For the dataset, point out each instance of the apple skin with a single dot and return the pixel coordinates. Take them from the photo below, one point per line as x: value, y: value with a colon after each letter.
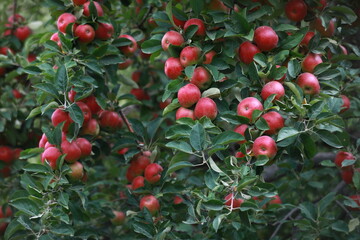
x: 241, y: 129
x: 6, y: 154
x: 85, y: 111
x: 140, y: 94
x: 232, y: 202
x: 205, y: 107
x: 309, y: 83
x: 247, y: 106
x: 72, y: 151
x: 177, y: 200
x: 90, y: 101
x: 137, y: 182
x: 79, y: 2
x: 189, y: 56
x: 86, y: 8
x: 42, y: 142
x: 22, y: 33
x: 163, y: 105
x: 275, y: 122
x: 296, y: 10
x: 51, y: 155
x: 247, y: 51
x: 104, y: 31
x: 125, y: 64
x: 151, y: 203
x: 188, y: 95
x: 201, y: 78
x: 328, y: 32
x: 306, y: 40
x: 178, y: 22
x: 198, y: 22
x: 119, y: 218
x: 64, y: 20
x: 55, y: 38
x: 17, y: 94
x: 173, y: 68
x: 92, y: 128
x: 109, y: 119
x: 276, y: 200
x: 130, y: 49
x: 60, y: 116
x: 85, y: 146
x: 341, y: 156
x: 131, y: 173
x: 135, y: 76
x: 265, y: 38
x: 173, y: 38
x: 273, y: 87
x: 184, y: 112
x: 264, y: 145
x: 348, y: 174
x: 346, y: 103
x: 8, y: 213
x: 85, y: 33
x: 153, y: 173
x: 209, y: 57
x: 310, y: 62
x: 77, y: 171
x: 17, y: 18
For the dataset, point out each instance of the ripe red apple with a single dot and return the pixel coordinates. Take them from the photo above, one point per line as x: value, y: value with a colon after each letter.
x: 325, y: 32
x: 119, y: 218
x: 296, y: 10
x: 173, y: 38
x: 122, y: 151
x: 163, y: 105
x: 177, y: 200
x: 322, y: 4
x: 247, y: 106
x: 31, y: 57
x: 17, y: 94
x: 98, y: 7
x: 64, y: 20
x: 310, y: 62
x: 85, y: 146
x: 309, y: 83
x: 281, y: 80
x: 131, y: 173
x: 125, y: 64
x: 264, y: 145
x: 173, y: 68
x: 22, y: 33
x: 188, y: 95
x: 6, y: 214
x: 341, y: 156
x: 92, y: 104
x: 85, y: 33
x: 140, y: 162
x: 109, y: 119
x: 55, y: 38
x: 153, y: 173
x: 43, y: 141
x: 356, y: 199
x: 346, y: 103
x: 72, y: 151
x: 60, y: 116
x: 17, y: 18
x: 47, y: 145
x: 91, y: 128
x: 79, y: 2
x: 85, y: 111
x: 241, y: 129
x: 151, y: 203
x: 104, y: 31
x: 198, y: 22
x: 273, y: 87
x: 51, y: 155
x: 275, y: 122
x: 77, y: 171
x: 306, y: 40
x: 135, y: 76
x: 201, y: 78
x: 190, y: 56
x: 276, y: 200
x: 205, y: 107
x: 137, y: 182
x: 6, y: 154
x: 265, y: 38
x: 178, y: 22
x: 233, y: 202
x: 209, y: 57
x: 184, y: 112
x: 140, y: 94
x: 247, y: 51
x: 130, y: 49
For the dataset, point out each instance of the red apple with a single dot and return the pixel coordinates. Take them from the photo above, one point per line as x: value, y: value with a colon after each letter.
x: 346, y: 103
x: 241, y: 129
x: 77, y: 171
x: 265, y: 38
x: 131, y: 173
x: 140, y: 94
x: 276, y: 200
x: 85, y: 33
x: 130, y: 49
x: 306, y: 40
x: 92, y: 104
x: 64, y: 20
x: 137, y: 182
x: 178, y: 22
x: 205, y: 107
x: 273, y: 87
x: 247, y: 51
x: 151, y: 203
x: 109, y: 119
x: 79, y: 2
x: 310, y: 62
x: 51, y: 155
x: 122, y: 151
x: 104, y: 31
x: 17, y: 18
x: 201, y: 78
x: 98, y: 7
x: 31, y: 57
x: 184, y: 112
x: 325, y: 32
x: 72, y: 151
x: 42, y: 141
x: 198, y: 22
x: 119, y: 218
x: 60, y: 116
x: 135, y: 76
x: 17, y: 94
x: 91, y: 128
x: 6, y: 154
x: 85, y: 111
x: 309, y: 83
x: 173, y: 68
x: 322, y: 4
x: 209, y: 57
x: 233, y: 202
x: 85, y: 146
x: 264, y: 145
x: 140, y: 162
x: 188, y: 95
x: 296, y: 10
x: 153, y: 173
x: 22, y: 33
x: 341, y: 156
x: 247, y: 106
x: 163, y: 105
x: 356, y: 199
x: 125, y: 64
x: 173, y: 38
x: 190, y: 56
x: 55, y: 38
x: 217, y: 5
x: 177, y: 200
x: 275, y: 122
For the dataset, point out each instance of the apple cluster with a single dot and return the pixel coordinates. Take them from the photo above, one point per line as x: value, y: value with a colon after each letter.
x: 7, y: 156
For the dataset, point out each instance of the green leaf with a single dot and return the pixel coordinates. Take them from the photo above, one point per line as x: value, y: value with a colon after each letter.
x: 76, y: 114
x: 178, y: 165
x: 348, y: 162
x: 62, y: 229
x: 326, y: 202
x: 293, y: 68
x: 48, y: 88
x: 144, y: 229
x: 189, y: 71
x: 245, y: 182
x: 197, y: 137
x: 214, y: 166
x: 180, y: 145
x: 261, y: 124
x: 309, y: 210
x: 353, y: 224
x: 356, y: 179
x: 30, y: 152
x: 228, y: 137
x: 213, y: 204
x: 36, y: 111
x: 151, y: 46
x: 295, y: 90
x: 25, y: 205
x: 217, y: 221
x: 287, y: 132
x: 310, y: 148
x: 211, y: 93
x: 190, y: 31
x: 340, y: 226
x: 37, y: 168
x: 197, y: 6
x: 330, y: 138
x: 111, y: 59
x: 210, y: 179
x: 261, y: 160
x: 13, y: 228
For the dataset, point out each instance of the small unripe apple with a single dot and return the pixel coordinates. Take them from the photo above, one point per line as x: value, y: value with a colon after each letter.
x: 64, y: 20
x: 119, y: 218
x: 137, y: 182
x: 98, y: 7
x: 309, y: 83
x: 190, y: 56
x: 188, y: 95
x: 273, y: 87
x: 153, y: 173
x: 205, y: 107
x: 310, y: 62
x: 346, y: 103
x: 264, y: 145
x: 72, y: 151
x: 247, y: 106
x: 265, y: 38
x: 173, y: 68
x: 184, y: 112
x: 173, y: 38
x: 201, y: 78
x: 198, y: 22
x: 247, y: 51
x: 233, y: 202
x: 51, y: 155
x: 77, y: 171
x: 104, y: 31
x: 296, y: 10
x: 130, y: 49
x: 275, y: 122
x: 151, y: 203
x: 241, y: 129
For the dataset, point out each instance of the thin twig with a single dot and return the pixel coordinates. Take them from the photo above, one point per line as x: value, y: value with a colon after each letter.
x: 126, y: 121
x: 145, y: 17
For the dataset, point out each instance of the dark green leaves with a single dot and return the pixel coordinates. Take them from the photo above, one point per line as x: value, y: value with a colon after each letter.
x: 287, y: 136
x: 151, y: 46
x: 197, y: 137
x: 228, y: 137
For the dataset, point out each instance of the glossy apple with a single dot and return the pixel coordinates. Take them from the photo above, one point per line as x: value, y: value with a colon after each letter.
x: 233, y: 202
x: 189, y: 56
x: 140, y: 94
x: 306, y: 40
x: 265, y: 38
x: 205, y: 107
x: 125, y: 64
x: 264, y: 145
x: 77, y: 171
x: 173, y: 38
x: 188, y: 95
x: 86, y: 8
x: 55, y: 38
x: 173, y: 68
x: 177, y: 200
x: 296, y: 10
x: 85, y: 146
x: 72, y: 151
x: 151, y: 203
x: 91, y: 128
x: 273, y: 87
x: 346, y: 103
x: 85, y: 111
x: 247, y: 106
x: 310, y: 62
x: 137, y: 182
x: 201, y: 78
x: 276, y: 200
x: 109, y: 119
x: 209, y: 57
x: 92, y: 104
x: 275, y: 122
x: 64, y: 20
x: 79, y: 2
x: 325, y: 32
x: 104, y: 31
x: 153, y: 173
x: 17, y: 18
x: 60, y: 116
x: 309, y: 83
x: 119, y: 218
x: 6, y: 154
x: 198, y: 22
x: 341, y: 156
x: 184, y: 112
x: 51, y: 155
x: 130, y: 49
x: 85, y: 33
x: 247, y: 51
x: 241, y: 129
x: 22, y: 33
